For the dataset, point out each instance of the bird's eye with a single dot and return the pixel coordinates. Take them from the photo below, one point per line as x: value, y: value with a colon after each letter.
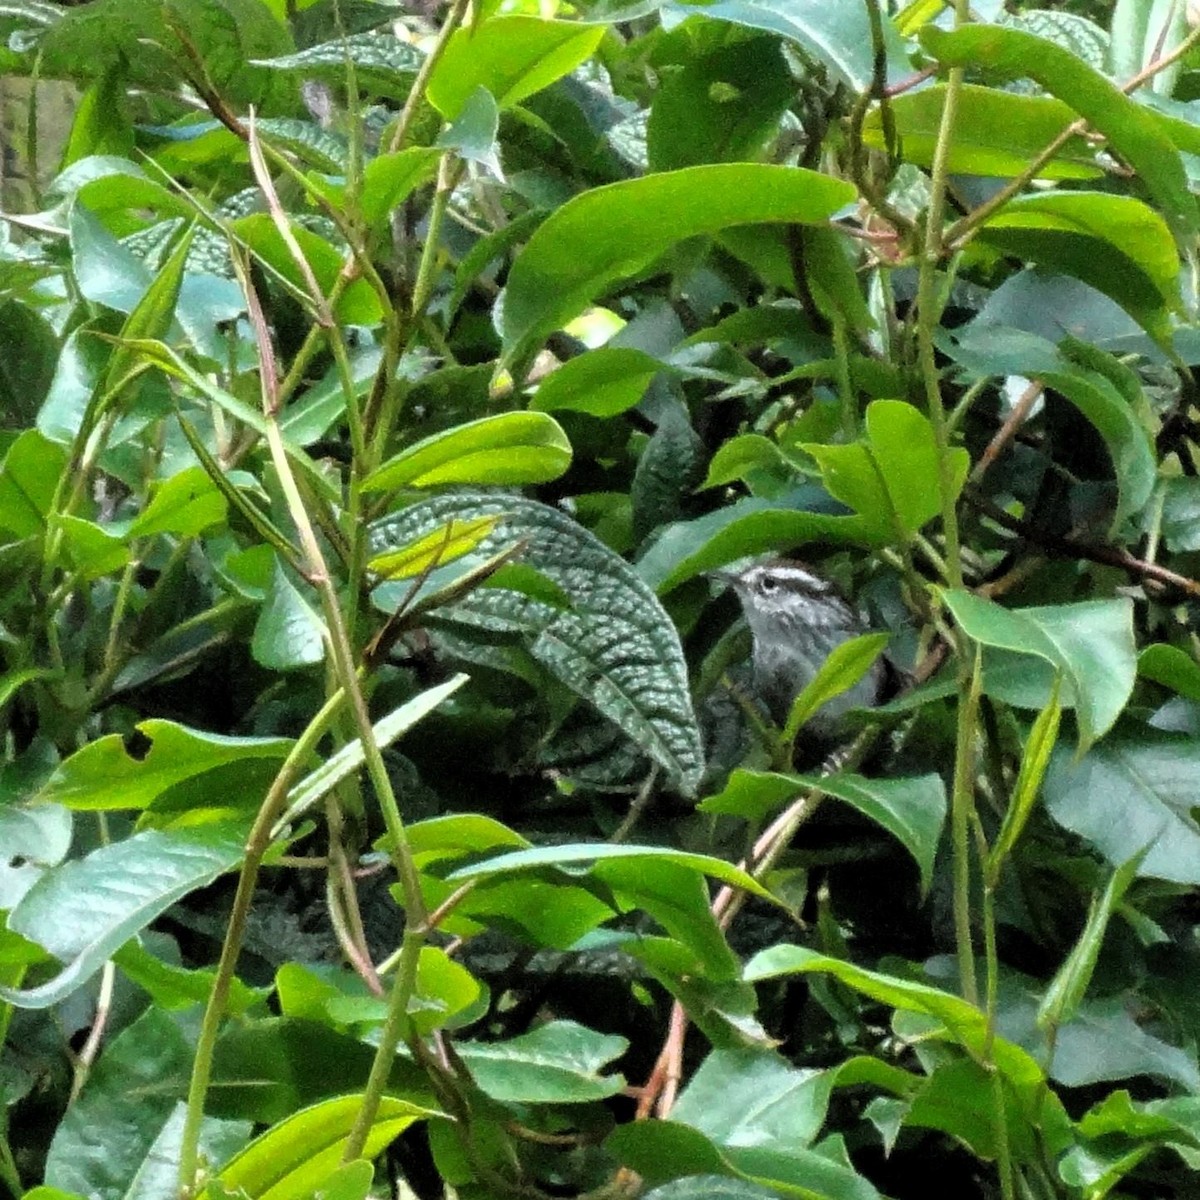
x: 768, y: 585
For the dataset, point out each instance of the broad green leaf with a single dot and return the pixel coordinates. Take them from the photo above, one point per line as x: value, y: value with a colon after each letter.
x: 510, y: 448
x: 1171, y: 667
x: 512, y: 56
x: 1116, y: 244
x: 1066, y: 990
x: 664, y: 1150
x: 891, y: 479
x: 602, y: 383
x: 1130, y: 129
x: 841, y: 670
x: 744, y: 457
x: 29, y: 364
x: 838, y: 36
x: 1127, y: 793
x: 752, y: 795
x: 556, y: 1063
x: 613, y: 232
x: 111, y: 773
x: 995, y: 132
x: 174, y: 988
x: 92, y: 549
x: 289, y: 632
x: 300, y: 1155
x: 267, y: 1068
x: 28, y: 481
x: 824, y: 1170
x: 435, y: 549
x: 351, y: 756
x: 541, y: 857
x: 85, y: 910
x: 1181, y: 512
x: 962, y: 1021
x: 614, y: 645
x: 383, y: 64
x: 358, y: 303
x: 748, y: 528
x: 120, y: 1138
x: 223, y: 34
x: 388, y: 180
x: 912, y: 810
x: 33, y: 838
x: 186, y: 504
x: 990, y: 351
x: 754, y: 1097
x: 722, y: 106
x: 1090, y: 644
x: 472, y: 134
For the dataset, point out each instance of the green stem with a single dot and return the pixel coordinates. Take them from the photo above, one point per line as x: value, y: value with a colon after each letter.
x: 849, y: 406
x: 929, y: 312
x: 257, y: 844
x: 962, y: 807
x: 8, y: 1170
x: 417, y: 94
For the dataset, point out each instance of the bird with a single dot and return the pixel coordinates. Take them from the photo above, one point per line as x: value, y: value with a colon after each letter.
x: 796, y: 619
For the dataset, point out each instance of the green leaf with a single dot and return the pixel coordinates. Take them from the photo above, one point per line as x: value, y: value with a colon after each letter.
x: 111, y: 774
x: 512, y: 56
x: 186, y: 504
x: 990, y: 351
x: 602, y: 383
x: 28, y: 481
x: 93, y: 551
x: 141, y: 34
x: 752, y: 795
x: 1171, y: 667
x: 664, y: 1150
x: 743, y: 457
x: 388, y: 180
x: 1126, y: 793
x: 174, y: 988
x: 836, y: 35
x: 358, y: 303
x: 995, y: 133
x: 845, y: 665
x: 154, y: 313
x: 85, y: 910
x: 510, y: 448
x: 613, y: 232
x: 1066, y: 991
x: 723, y: 106
x: 1116, y: 244
x: 912, y: 810
x: 566, y: 856
x: 101, y: 124
x: 472, y: 134
x: 120, y: 1138
x: 556, y: 1063
x: 444, y: 545
x: 351, y: 756
x: 892, y: 478
x: 709, y: 1187
x: 1091, y: 644
x: 301, y: 1154
x: 383, y: 65
x: 1130, y: 129
x: 963, y: 1022
x: 754, y: 1097
x: 1034, y: 761
x: 742, y: 530
x: 289, y: 633
x: 614, y: 645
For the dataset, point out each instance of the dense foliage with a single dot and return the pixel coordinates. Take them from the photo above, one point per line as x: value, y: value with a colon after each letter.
x: 384, y: 795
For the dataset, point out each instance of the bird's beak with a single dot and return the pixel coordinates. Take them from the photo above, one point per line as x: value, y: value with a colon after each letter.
x: 727, y: 579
